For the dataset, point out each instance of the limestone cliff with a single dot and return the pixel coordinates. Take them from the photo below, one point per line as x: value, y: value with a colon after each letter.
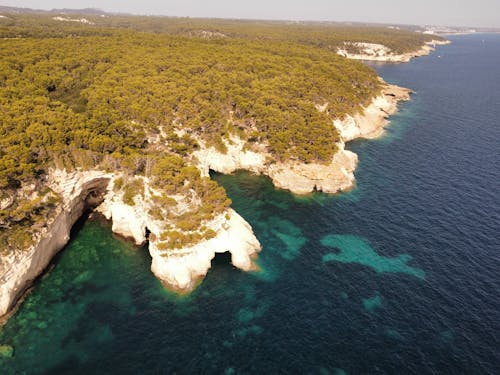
x: 371, y: 122
x: 302, y: 178
x: 182, y: 269
x: 19, y: 269
x: 297, y: 177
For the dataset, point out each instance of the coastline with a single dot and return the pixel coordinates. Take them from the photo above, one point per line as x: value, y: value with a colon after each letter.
x: 381, y: 53
x: 84, y: 190
x: 302, y: 178
x: 403, y: 266
x: 181, y: 270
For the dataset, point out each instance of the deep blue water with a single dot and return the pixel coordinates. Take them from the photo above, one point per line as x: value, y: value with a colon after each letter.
x: 399, y: 276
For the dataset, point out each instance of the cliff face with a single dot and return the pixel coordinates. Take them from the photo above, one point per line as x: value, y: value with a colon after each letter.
x: 370, y: 124
x: 379, y: 52
x: 180, y: 269
x: 19, y: 269
x: 301, y: 178
x: 235, y: 158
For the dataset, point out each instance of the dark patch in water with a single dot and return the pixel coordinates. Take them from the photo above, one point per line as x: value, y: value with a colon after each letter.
x: 222, y: 260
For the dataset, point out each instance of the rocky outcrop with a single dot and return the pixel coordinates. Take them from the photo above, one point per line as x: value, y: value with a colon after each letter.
x: 127, y: 221
x: 379, y: 52
x: 182, y: 269
x: 374, y: 118
x: 301, y: 178
x: 236, y: 158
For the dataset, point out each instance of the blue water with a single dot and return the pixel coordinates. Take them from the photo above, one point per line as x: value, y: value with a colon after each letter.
x: 399, y: 276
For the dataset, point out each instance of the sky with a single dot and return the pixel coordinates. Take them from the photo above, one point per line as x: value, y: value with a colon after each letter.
x: 480, y: 13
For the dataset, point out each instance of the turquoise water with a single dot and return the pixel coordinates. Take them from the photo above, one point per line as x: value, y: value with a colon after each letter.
x: 353, y: 249
x: 399, y: 276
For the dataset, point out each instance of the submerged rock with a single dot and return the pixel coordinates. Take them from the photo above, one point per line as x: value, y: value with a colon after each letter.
x: 6, y: 351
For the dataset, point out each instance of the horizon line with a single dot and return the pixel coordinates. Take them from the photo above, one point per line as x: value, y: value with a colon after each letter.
x: 132, y: 14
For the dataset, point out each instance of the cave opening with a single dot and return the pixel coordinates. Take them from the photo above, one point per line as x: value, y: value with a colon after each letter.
x: 149, y: 236
x: 222, y: 260
x: 212, y: 173
x: 93, y: 198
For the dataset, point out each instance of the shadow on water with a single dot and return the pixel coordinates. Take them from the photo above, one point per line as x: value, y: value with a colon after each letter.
x: 75, y: 230
x: 77, y: 227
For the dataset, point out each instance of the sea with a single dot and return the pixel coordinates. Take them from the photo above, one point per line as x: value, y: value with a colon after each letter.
x: 401, y: 275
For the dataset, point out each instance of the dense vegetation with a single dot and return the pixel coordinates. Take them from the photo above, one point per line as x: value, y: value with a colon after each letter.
x: 105, y: 96
x: 327, y: 35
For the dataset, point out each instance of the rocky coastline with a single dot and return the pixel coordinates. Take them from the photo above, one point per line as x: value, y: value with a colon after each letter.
x: 379, y: 52
x: 84, y: 190
x: 301, y: 178
x: 181, y: 269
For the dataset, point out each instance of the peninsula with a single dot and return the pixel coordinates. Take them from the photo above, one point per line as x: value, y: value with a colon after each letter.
x: 133, y: 120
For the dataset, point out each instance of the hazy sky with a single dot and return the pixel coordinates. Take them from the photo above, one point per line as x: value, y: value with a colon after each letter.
x: 442, y: 12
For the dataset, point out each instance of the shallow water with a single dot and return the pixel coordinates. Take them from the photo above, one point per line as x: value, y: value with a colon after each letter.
x: 401, y: 275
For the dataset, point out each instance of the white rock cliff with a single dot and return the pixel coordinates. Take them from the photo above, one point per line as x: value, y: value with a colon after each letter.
x: 19, y: 269
x: 182, y: 269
